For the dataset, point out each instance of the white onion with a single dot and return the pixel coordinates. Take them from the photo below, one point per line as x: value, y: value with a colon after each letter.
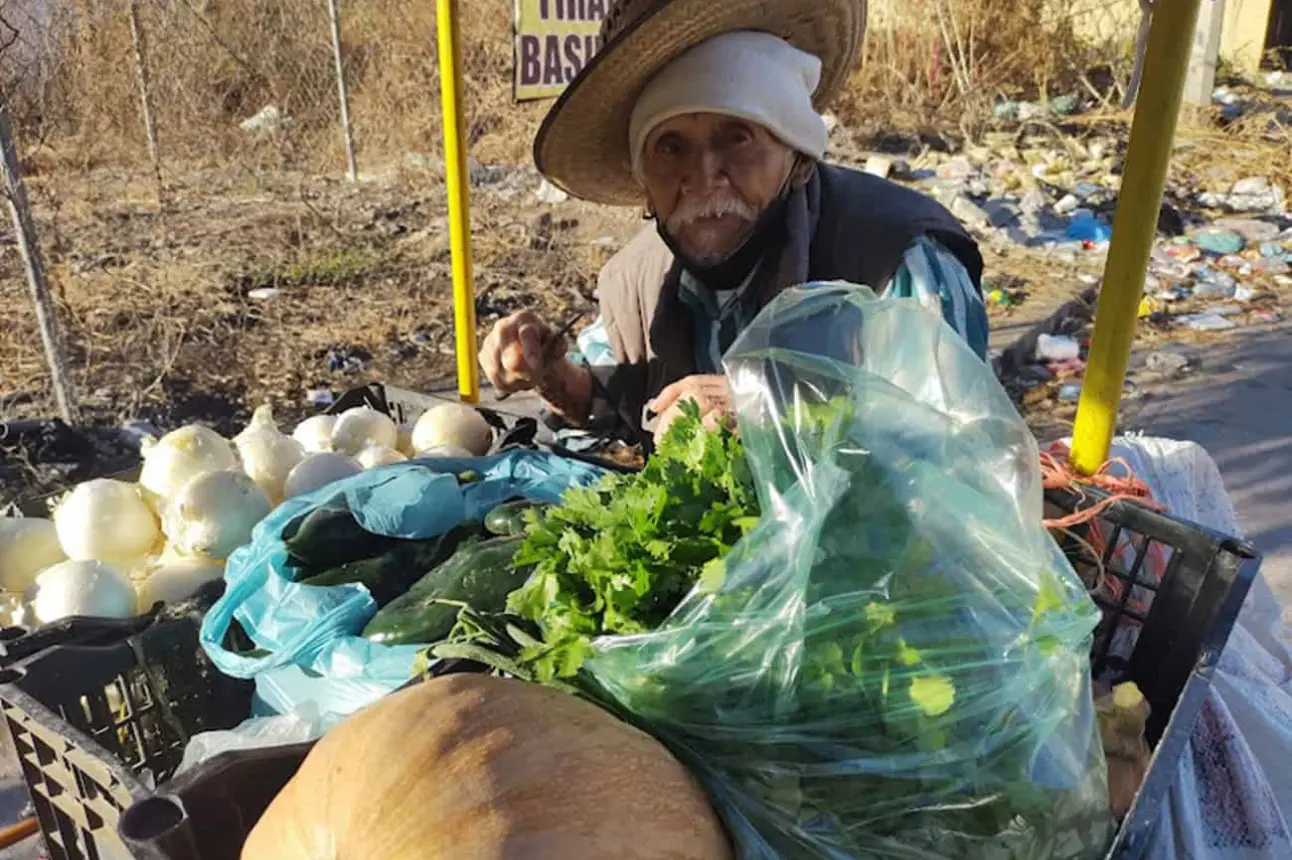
x: 180, y: 457
x: 214, y: 514
x: 175, y: 578
x: 268, y: 456
x: 13, y: 611
x: 377, y: 455
x: 106, y: 520
x: 361, y: 427
x: 446, y: 451
x: 315, y: 433
x: 319, y: 470
x: 27, y: 546
x: 82, y: 587
x: 453, y: 424
x: 404, y: 442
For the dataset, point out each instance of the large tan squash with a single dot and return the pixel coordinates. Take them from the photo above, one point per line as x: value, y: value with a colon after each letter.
x: 470, y: 767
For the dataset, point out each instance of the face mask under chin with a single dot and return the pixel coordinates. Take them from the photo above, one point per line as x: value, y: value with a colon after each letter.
x: 731, y: 271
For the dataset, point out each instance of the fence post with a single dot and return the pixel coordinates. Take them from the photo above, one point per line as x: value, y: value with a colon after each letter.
x: 352, y: 169
x: 25, y: 228
x: 145, y: 91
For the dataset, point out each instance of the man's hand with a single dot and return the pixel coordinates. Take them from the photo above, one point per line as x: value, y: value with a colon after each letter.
x: 520, y: 354
x: 711, y: 393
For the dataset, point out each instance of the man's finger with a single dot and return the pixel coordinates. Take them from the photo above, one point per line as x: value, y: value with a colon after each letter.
x: 514, y: 360
x: 531, y: 342
x: 666, y: 421
x: 666, y: 398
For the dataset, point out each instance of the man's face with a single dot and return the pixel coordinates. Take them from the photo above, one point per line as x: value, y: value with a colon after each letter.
x: 708, y: 178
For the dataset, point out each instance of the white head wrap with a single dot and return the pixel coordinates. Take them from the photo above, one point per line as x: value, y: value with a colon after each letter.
x: 749, y: 75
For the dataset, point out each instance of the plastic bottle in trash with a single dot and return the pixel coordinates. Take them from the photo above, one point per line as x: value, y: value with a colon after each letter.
x: 1086, y: 227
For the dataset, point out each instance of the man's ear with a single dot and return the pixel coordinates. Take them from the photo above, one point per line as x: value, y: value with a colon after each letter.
x: 802, y: 170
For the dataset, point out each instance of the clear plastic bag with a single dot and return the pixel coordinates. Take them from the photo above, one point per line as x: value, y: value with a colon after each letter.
x: 895, y: 663
x: 297, y: 726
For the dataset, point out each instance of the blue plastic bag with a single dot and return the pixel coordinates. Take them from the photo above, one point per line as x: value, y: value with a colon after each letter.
x: 315, y: 629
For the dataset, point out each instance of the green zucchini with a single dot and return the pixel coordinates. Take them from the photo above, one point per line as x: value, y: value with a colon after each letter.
x: 479, y: 574
x: 509, y: 518
x: 395, y: 571
x: 326, y: 538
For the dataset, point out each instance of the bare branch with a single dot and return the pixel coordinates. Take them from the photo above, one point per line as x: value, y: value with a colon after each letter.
x: 8, y: 35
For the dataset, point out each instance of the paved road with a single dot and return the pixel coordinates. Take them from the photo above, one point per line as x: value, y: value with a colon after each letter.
x: 1238, y: 406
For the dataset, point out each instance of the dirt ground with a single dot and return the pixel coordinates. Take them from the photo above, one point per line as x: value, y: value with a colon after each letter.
x: 238, y: 292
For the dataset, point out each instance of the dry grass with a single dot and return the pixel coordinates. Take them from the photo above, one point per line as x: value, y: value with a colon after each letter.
x: 72, y: 80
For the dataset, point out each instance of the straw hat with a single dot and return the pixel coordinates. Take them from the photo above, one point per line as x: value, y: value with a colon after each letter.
x: 582, y: 146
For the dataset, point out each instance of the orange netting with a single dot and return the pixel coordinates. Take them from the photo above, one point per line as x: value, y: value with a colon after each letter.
x: 1118, y: 482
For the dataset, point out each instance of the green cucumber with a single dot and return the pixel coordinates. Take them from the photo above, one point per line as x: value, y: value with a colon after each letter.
x: 509, y: 518
x: 328, y: 537
x: 395, y: 571
x: 479, y: 574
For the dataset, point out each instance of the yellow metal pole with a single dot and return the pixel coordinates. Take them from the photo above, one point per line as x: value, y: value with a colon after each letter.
x: 1166, y: 64
x: 455, y: 174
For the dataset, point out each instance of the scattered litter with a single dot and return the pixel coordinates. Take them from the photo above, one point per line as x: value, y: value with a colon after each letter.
x: 1070, y: 392
x: 1166, y: 363
x: 320, y: 397
x: 970, y: 213
x: 1219, y: 242
x: 1057, y: 348
x: 1244, y: 293
x: 957, y: 168
x: 347, y: 359
x: 1067, y: 204
x: 1223, y: 310
x: 1183, y: 251
x: 421, y: 338
x: 134, y: 432
x: 1173, y: 294
x: 549, y: 194
x: 1086, y: 227
x: 879, y: 165
x: 1066, y: 369
x: 1001, y: 298
x: 267, y: 121
x: 1273, y: 266
x: 1253, y: 230
x: 1206, y: 322
x: 1213, y: 284
x: 264, y: 293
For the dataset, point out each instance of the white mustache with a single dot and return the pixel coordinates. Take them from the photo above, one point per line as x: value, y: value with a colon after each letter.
x: 692, y: 209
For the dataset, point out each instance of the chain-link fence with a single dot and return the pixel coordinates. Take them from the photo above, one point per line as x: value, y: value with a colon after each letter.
x: 254, y: 84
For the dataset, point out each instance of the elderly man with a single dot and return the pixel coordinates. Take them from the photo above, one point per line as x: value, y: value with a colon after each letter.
x: 706, y: 113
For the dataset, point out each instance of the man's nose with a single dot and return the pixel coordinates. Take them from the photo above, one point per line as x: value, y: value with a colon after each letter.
x: 705, y: 175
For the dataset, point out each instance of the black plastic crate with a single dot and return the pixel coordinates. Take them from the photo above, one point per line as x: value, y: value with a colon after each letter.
x: 1181, y: 632
x: 510, y: 430
x: 1165, y: 634
x: 96, y: 727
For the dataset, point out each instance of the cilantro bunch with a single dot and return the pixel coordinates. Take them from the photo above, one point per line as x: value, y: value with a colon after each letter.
x: 618, y: 558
